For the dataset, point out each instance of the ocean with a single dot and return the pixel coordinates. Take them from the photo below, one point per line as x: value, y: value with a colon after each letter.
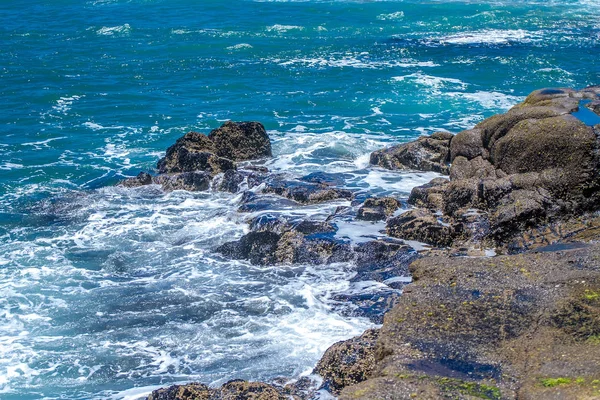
x: 109, y: 292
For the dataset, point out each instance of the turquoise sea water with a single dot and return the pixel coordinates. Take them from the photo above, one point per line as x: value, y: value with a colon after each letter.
x: 109, y: 292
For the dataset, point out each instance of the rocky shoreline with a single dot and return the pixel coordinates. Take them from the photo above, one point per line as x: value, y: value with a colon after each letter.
x: 524, y: 324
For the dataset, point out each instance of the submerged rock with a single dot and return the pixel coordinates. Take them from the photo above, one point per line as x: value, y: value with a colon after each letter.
x: 428, y: 153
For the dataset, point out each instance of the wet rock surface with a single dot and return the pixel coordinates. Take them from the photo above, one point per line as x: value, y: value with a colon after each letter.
x: 190, y: 181
x: 522, y: 326
x: 232, y: 390
x: 348, y: 362
x: 428, y: 153
x: 376, y: 209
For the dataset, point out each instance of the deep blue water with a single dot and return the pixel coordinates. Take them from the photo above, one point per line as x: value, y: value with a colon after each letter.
x: 108, y: 292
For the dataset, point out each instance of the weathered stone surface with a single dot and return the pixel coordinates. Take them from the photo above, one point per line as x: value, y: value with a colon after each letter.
x: 142, y: 179
x: 192, y: 391
x: 523, y: 326
x: 534, y: 165
x: 428, y: 153
x: 232, y: 390
x: 348, y: 362
x: 282, y: 242
x: 423, y: 226
x: 377, y: 208
x: 240, y: 141
x: 430, y: 195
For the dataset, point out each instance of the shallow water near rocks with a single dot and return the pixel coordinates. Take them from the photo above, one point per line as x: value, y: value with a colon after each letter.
x: 109, y: 292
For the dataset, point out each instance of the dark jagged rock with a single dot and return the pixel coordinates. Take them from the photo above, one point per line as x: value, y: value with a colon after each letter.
x: 366, y: 304
x: 534, y: 165
x: 376, y: 209
x: 190, y: 181
x: 304, y: 192
x: 348, y: 362
x: 383, y: 261
x: 232, y: 390
x: 276, y: 241
x: 522, y: 326
x: 192, y: 391
x: 428, y: 153
x: 218, y: 151
x: 181, y: 159
x: 241, y: 141
x: 423, y: 226
x: 142, y: 179
x: 430, y: 195
x: 231, y: 180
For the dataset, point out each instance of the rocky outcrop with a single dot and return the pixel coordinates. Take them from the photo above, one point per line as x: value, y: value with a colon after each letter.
x: 523, y: 326
x: 217, y: 152
x: 535, y: 165
x: 232, y: 390
x: 195, y: 157
x: 241, y: 141
x: 348, y: 362
x: 428, y: 153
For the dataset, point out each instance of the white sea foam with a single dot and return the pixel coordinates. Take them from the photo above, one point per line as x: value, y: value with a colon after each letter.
x: 114, y: 30
x: 489, y: 100
x: 392, y: 16
x: 284, y: 28
x: 491, y: 36
x: 240, y: 46
x: 353, y: 61
x: 436, y: 83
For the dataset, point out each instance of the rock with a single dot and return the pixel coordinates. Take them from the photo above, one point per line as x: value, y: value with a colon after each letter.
x: 430, y: 195
x: 523, y: 326
x: 243, y: 390
x: 423, y: 226
x: 376, y: 209
x: 273, y: 241
x: 240, y: 141
x: 257, y: 247
x: 218, y: 151
x: 534, y: 165
x: 181, y: 159
x: 232, y: 390
x: 428, y: 153
x: 142, y: 179
x: 192, y: 391
x: 190, y: 181
x: 383, y: 261
x: 348, y: 362
x: 231, y: 180
x: 304, y: 192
